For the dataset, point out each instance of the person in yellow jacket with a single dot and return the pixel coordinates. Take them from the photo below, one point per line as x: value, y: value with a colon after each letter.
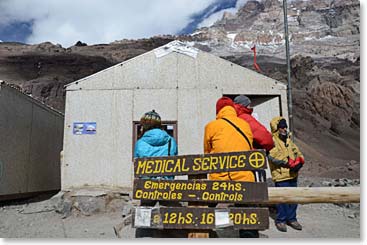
x: 285, y: 160
x: 221, y: 136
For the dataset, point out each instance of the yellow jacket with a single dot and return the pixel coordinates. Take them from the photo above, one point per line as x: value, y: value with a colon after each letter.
x: 282, y: 151
x: 220, y: 136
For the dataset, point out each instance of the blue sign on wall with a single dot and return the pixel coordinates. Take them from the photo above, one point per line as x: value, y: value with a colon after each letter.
x: 85, y: 128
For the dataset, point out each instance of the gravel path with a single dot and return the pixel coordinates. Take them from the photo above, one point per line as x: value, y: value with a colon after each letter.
x: 318, y: 220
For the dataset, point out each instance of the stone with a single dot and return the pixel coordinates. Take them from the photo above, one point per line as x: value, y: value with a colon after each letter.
x: 57, y: 199
x: 326, y: 183
x: 115, y: 201
x: 126, y: 210
x: 341, y: 184
x: 64, y: 208
x: 90, y: 205
x: 118, y: 229
x: 91, y: 193
x: 349, y: 181
x: 356, y: 182
x: 37, y: 207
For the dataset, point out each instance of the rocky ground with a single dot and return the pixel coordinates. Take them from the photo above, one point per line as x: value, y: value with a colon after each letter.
x: 47, y: 216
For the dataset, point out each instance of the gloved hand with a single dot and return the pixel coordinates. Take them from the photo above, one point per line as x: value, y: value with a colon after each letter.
x: 297, y: 164
x: 291, y: 162
x: 296, y: 168
x: 300, y: 160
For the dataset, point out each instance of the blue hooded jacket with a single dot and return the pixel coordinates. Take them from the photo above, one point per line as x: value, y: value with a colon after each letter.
x: 154, y: 143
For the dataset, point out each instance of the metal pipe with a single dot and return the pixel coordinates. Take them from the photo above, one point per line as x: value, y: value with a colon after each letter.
x: 289, y: 90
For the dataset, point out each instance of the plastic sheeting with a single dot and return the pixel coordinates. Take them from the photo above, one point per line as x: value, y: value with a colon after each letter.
x: 176, y: 46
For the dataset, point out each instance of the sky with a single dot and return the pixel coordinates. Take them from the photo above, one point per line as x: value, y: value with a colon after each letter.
x: 95, y: 21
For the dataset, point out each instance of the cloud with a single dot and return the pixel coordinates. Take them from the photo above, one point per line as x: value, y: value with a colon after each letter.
x: 96, y: 21
x: 218, y: 15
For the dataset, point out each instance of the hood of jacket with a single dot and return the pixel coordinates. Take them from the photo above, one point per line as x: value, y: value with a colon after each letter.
x: 240, y: 109
x: 274, y: 124
x: 227, y: 111
x: 156, y: 137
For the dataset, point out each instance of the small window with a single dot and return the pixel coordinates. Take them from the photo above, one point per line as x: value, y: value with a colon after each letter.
x: 169, y: 126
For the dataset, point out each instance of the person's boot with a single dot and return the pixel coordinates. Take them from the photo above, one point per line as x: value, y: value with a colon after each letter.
x: 281, y: 227
x: 249, y: 234
x: 295, y: 225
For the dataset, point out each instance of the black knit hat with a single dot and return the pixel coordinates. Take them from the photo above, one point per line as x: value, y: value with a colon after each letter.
x: 282, y: 123
x: 150, y: 119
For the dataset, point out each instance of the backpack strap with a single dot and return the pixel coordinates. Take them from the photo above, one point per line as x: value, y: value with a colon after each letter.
x: 239, y: 130
x: 255, y: 172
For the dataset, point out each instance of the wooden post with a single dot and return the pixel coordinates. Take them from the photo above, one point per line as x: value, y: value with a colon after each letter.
x: 304, y: 195
x: 202, y: 233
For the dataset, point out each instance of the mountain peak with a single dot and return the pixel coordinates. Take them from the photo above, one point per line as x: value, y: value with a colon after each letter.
x: 312, y: 24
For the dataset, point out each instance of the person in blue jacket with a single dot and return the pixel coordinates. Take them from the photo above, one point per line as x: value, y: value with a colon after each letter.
x: 155, y: 142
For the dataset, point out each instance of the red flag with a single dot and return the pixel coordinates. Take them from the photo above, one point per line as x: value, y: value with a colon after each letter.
x: 256, y: 66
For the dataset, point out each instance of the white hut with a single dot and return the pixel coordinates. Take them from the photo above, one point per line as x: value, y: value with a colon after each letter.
x: 180, y: 82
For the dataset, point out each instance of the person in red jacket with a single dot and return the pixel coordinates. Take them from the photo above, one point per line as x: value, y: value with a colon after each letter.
x: 262, y: 138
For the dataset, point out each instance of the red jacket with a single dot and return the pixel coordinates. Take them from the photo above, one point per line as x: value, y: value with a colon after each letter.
x: 262, y: 138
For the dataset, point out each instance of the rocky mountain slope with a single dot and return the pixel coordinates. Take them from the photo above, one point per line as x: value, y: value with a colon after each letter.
x: 42, y: 70
x: 325, y: 50
x: 325, y: 58
x: 325, y: 47
x: 317, y: 28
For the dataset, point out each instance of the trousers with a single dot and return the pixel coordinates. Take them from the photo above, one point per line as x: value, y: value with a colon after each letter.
x: 286, y: 212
